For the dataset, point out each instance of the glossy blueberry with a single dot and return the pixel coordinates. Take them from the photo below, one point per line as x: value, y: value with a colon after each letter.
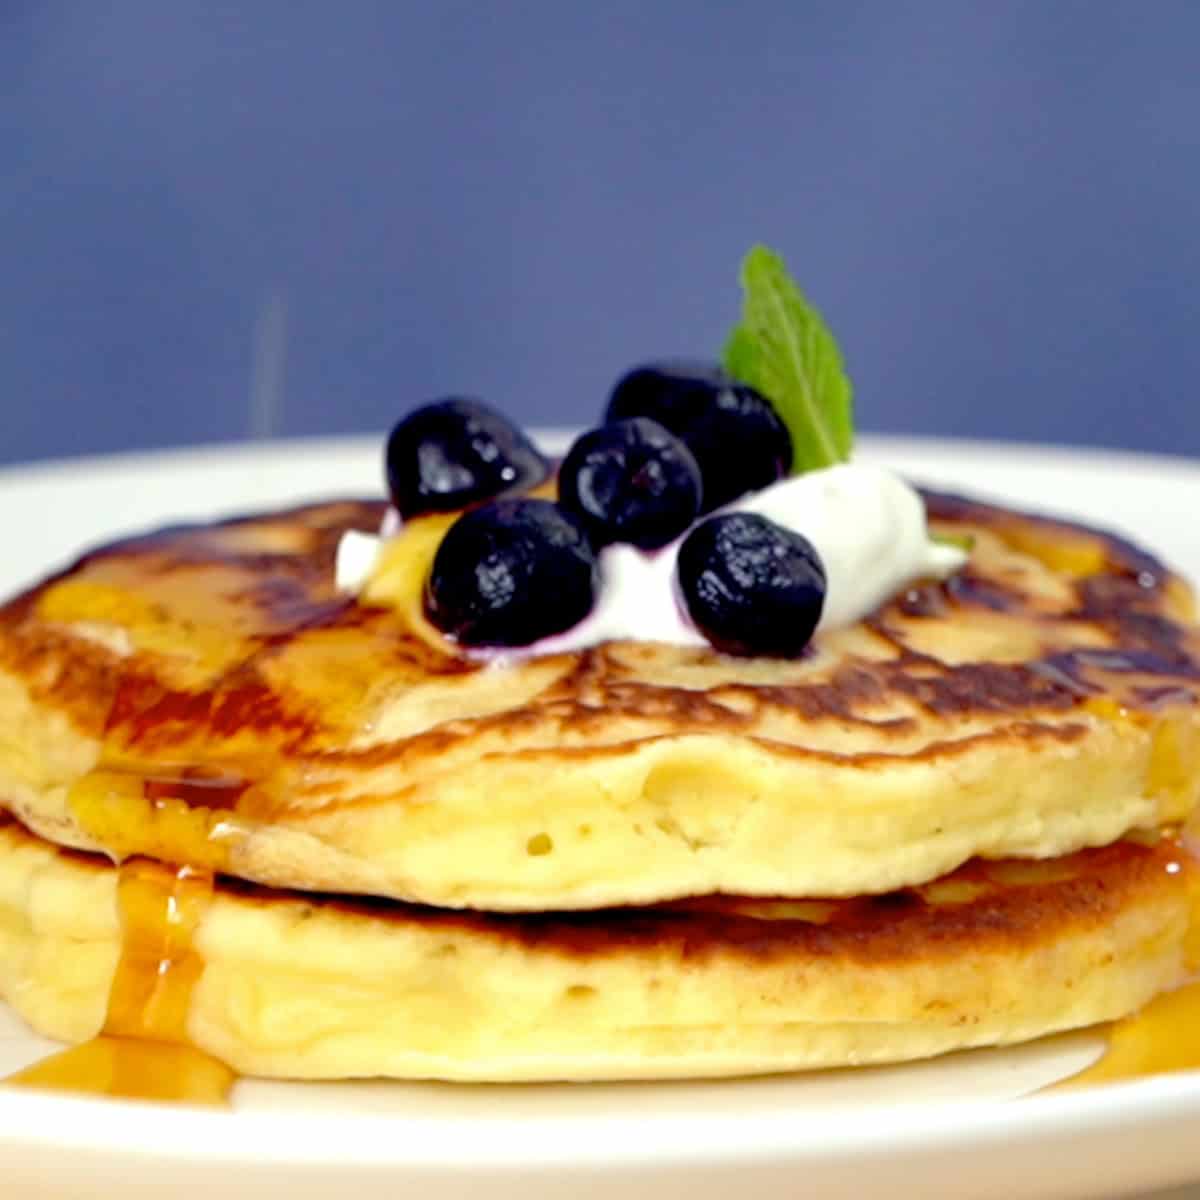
x: 631, y: 481
x: 732, y: 430
x: 751, y: 586
x: 511, y: 572
x: 455, y: 453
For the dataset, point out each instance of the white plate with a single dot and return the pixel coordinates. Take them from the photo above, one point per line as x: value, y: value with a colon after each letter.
x: 959, y: 1127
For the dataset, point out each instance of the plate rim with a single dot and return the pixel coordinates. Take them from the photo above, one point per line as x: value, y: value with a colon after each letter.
x: 315, y: 1139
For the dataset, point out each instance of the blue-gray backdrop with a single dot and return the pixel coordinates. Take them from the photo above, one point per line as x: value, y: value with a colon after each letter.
x: 225, y: 217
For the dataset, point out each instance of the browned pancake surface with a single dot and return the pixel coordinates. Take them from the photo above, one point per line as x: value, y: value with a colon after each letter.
x: 262, y: 589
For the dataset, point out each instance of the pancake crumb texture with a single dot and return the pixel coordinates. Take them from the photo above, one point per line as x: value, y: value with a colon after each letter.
x: 204, y: 694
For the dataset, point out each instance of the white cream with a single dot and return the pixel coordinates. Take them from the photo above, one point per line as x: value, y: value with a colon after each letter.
x: 637, y: 598
x: 867, y: 525
x: 357, y: 554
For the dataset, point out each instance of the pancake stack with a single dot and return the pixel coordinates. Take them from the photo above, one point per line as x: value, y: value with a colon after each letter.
x: 953, y: 824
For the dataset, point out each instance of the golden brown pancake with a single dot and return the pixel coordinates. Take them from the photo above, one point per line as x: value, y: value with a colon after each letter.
x: 204, y: 694
x: 302, y: 986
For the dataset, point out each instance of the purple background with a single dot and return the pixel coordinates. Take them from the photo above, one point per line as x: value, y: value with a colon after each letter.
x: 995, y: 204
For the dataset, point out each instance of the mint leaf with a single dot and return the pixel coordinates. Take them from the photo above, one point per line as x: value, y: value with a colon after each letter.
x: 741, y: 351
x: 783, y: 348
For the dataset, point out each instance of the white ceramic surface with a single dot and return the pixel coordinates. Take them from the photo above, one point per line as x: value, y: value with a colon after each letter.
x: 960, y: 1128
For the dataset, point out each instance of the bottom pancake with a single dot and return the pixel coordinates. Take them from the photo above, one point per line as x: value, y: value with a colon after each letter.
x: 295, y: 986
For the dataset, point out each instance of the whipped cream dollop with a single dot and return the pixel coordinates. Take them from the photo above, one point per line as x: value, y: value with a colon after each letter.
x: 866, y: 523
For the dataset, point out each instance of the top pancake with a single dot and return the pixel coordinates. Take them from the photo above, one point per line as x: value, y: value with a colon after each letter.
x: 204, y: 694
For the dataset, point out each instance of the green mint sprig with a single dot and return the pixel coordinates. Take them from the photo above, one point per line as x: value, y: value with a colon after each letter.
x: 783, y: 348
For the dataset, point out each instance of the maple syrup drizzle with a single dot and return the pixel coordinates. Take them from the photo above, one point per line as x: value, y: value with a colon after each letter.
x: 190, y: 815
x: 143, y: 1051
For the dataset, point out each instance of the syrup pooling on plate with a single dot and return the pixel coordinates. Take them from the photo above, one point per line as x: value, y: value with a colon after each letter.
x: 1164, y: 1037
x: 1160, y: 1040
x: 143, y: 1051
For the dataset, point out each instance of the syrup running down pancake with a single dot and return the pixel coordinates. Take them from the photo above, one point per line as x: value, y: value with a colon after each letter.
x: 204, y: 695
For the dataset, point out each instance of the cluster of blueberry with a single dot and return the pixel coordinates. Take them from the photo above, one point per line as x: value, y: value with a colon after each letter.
x: 677, y: 442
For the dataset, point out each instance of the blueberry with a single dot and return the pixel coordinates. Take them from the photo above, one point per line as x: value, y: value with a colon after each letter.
x: 455, y: 453
x: 511, y: 572
x: 631, y: 481
x: 751, y: 586
x: 734, y: 433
